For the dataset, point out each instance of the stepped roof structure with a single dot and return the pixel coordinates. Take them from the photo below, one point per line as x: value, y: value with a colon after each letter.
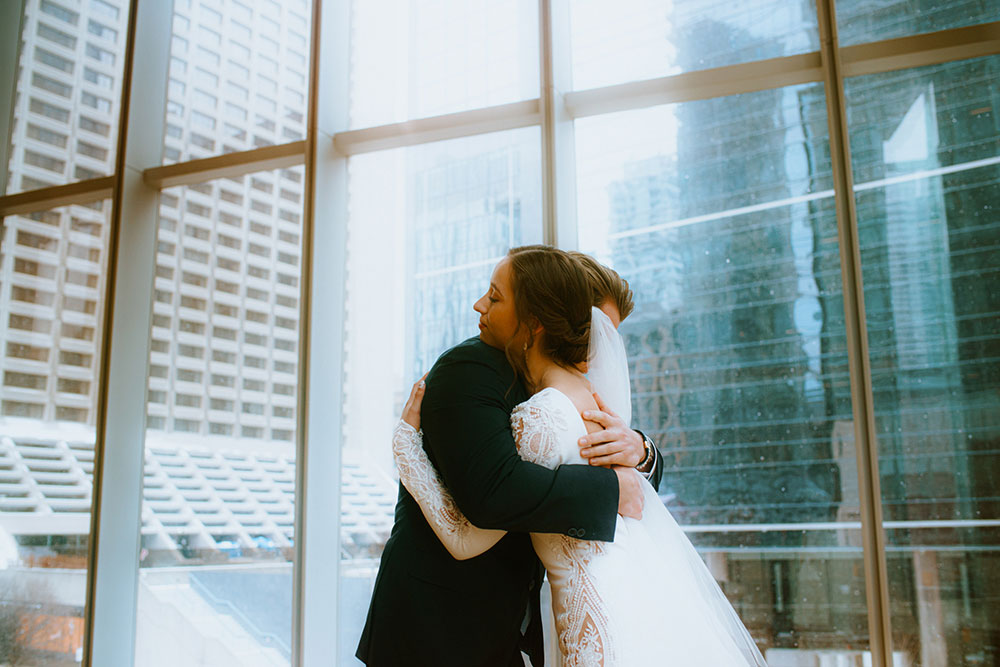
x: 198, y: 497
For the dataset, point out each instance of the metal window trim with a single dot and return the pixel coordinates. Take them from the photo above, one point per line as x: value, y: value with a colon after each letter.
x: 932, y: 48
x: 438, y: 128
x: 316, y: 571
x: 11, y: 24
x: 862, y: 400
x: 229, y: 165
x: 116, y: 522
x: 558, y: 139
x: 698, y: 85
x: 45, y: 199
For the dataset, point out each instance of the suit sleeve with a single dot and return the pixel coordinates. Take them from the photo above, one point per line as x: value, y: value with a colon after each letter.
x: 466, y: 424
x: 656, y: 474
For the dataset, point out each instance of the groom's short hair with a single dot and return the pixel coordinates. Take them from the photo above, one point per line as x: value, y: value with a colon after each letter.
x: 606, y: 284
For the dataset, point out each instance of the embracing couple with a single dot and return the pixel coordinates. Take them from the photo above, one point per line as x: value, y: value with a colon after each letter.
x: 516, y: 453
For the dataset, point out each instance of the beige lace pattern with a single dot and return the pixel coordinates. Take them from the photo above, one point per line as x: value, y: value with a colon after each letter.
x: 421, y: 479
x: 423, y: 482
x: 583, y: 626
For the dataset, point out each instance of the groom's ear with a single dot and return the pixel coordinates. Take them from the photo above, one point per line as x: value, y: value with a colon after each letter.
x: 535, y: 327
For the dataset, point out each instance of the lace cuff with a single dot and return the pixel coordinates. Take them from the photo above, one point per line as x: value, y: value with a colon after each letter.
x: 418, y: 475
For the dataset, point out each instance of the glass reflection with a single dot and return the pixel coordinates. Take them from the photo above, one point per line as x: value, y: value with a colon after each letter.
x: 219, y: 486
x: 632, y: 40
x: 721, y: 215
x: 861, y: 21
x: 68, y: 92
x: 52, y: 280
x: 927, y: 168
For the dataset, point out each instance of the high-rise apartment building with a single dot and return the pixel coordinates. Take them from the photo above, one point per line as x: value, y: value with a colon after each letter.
x: 226, y: 300
x: 65, y: 123
x: 225, y: 318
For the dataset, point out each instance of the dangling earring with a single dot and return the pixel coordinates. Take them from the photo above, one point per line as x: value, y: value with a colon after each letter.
x: 525, y: 346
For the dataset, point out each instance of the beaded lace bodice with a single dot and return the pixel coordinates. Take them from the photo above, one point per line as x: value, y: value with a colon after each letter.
x: 546, y: 428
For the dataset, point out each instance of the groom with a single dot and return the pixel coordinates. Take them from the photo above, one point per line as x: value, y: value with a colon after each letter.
x: 430, y: 609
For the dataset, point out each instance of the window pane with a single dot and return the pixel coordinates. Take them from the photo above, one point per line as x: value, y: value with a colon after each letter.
x: 865, y: 21
x: 63, y: 87
x: 219, y: 491
x: 720, y: 215
x: 427, y: 225
x: 926, y: 149
x: 52, y: 271
x: 643, y: 39
x: 225, y: 70
x: 413, y: 59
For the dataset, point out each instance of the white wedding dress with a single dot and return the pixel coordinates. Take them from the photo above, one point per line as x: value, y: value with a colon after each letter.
x: 645, y: 599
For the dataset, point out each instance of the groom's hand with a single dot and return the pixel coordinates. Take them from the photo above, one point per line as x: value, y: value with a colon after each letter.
x: 630, y: 498
x: 615, y: 444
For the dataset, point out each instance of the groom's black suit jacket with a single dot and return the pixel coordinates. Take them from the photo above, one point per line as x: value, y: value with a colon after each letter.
x: 430, y: 609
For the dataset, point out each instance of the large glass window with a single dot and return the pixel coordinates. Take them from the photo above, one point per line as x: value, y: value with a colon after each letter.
x: 53, y: 268
x: 223, y: 93
x: 866, y: 21
x: 414, y: 59
x: 720, y: 214
x: 642, y: 39
x: 926, y: 149
x: 720, y: 211
x: 427, y: 225
x: 57, y: 92
x: 219, y: 486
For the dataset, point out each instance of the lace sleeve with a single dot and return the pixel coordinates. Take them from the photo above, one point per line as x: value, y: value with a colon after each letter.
x: 417, y: 473
x: 535, y: 430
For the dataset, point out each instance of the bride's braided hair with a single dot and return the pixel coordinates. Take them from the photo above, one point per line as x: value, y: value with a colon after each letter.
x: 551, y: 289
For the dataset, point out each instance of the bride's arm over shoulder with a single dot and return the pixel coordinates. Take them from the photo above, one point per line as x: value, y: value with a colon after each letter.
x: 535, y: 432
x: 462, y: 539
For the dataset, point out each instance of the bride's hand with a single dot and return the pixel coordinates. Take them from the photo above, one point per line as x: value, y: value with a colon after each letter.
x: 411, y: 411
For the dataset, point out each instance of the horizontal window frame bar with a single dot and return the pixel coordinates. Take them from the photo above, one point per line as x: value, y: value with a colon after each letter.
x: 228, y: 165
x: 71, y: 523
x: 932, y: 48
x: 698, y: 85
x: 46, y: 199
x: 930, y: 524
x: 457, y: 125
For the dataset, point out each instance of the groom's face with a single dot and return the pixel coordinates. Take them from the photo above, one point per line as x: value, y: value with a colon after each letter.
x: 497, y: 316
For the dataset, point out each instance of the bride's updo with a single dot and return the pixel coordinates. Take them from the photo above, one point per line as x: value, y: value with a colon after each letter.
x: 550, y: 289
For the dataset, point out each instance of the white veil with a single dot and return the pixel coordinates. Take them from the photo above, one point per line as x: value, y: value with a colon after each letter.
x: 706, y: 613
x: 607, y: 365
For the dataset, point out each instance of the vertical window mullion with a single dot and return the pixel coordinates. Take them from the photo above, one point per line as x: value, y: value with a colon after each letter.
x: 876, y: 573
x: 118, y: 462
x: 11, y: 16
x: 321, y: 344
x: 558, y: 156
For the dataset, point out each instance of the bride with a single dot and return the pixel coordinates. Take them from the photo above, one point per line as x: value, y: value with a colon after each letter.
x: 564, y: 351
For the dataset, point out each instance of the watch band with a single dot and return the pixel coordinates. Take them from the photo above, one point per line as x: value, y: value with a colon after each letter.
x: 648, y: 446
